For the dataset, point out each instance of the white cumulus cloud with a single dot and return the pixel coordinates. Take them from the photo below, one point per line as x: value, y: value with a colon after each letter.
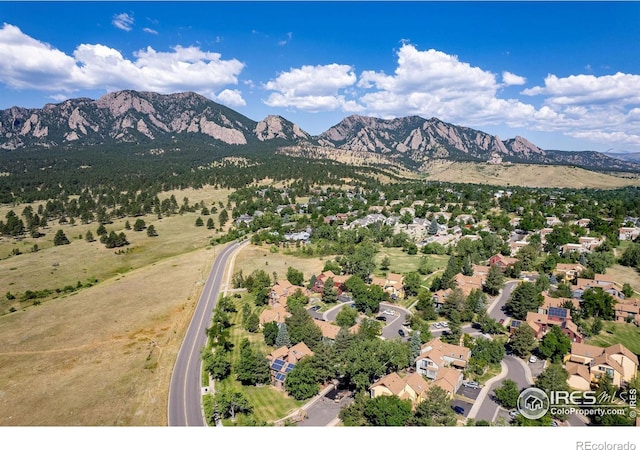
x: 313, y: 88
x: 511, y: 79
x: 31, y: 64
x: 149, y: 30
x: 123, y: 21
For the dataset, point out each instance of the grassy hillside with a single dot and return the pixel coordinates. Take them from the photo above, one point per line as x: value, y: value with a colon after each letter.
x: 530, y: 175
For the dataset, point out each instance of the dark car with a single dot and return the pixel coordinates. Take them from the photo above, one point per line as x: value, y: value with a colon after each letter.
x: 383, y: 318
x: 315, y: 308
x: 458, y: 409
x: 401, y: 333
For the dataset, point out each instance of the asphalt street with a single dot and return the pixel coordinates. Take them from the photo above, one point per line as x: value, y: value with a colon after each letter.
x: 185, y: 396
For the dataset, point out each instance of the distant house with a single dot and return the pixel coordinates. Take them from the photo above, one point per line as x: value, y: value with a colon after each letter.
x: 617, y: 361
x: 541, y: 323
x: 283, y: 360
x: 244, y: 218
x: 570, y: 248
x: 330, y: 331
x: 338, y: 281
x: 281, y: 291
x: 569, y: 271
x: 392, y: 284
x: 469, y: 283
x: 628, y: 233
x: 627, y: 311
x: 502, y: 261
x: 600, y: 281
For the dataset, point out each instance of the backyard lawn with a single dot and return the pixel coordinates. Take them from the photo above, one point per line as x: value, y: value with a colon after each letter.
x: 618, y: 333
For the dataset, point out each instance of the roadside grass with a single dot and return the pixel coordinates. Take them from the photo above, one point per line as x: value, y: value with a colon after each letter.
x: 268, y: 403
x: 618, y: 333
x: 103, y: 356
x: 256, y: 257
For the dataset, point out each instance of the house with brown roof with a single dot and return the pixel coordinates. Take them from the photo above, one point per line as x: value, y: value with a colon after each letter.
x: 277, y: 313
x: 502, y: 261
x: 569, y: 271
x: 469, y: 283
x: 283, y: 360
x: 435, y: 355
x: 412, y: 387
x: 579, y: 376
x: 541, y: 323
x: 616, y: 361
x: 627, y: 311
x: 601, y: 281
x: 281, y: 291
x: 338, y: 281
x: 330, y: 331
x: 628, y: 233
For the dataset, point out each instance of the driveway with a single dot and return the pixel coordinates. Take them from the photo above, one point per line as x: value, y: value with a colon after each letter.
x: 496, y: 309
x: 325, y: 410
x: 394, y: 323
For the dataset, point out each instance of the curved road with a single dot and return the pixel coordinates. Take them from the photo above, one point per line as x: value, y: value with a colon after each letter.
x: 185, y: 396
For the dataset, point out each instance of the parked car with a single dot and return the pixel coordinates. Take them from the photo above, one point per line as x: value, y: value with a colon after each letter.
x: 501, y: 321
x: 514, y: 413
x: 401, y: 332
x: 382, y: 318
x: 389, y: 312
x: 315, y: 308
x: 458, y: 409
x: 444, y: 324
x: 532, y: 359
x: 471, y: 384
x: 437, y: 325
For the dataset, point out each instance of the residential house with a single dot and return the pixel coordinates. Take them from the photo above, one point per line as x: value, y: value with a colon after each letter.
x: 281, y: 291
x: 412, y: 387
x: 589, y: 243
x: 330, y: 331
x: 628, y: 233
x: 501, y: 261
x: 277, y: 313
x: 627, y: 311
x: 584, y: 223
x: 617, y: 361
x: 541, y: 323
x: 283, y: 360
x: 569, y: 271
x: 469, y: 283
x: 570, y: 248
x: 393, y: 284
x: 338, y: 281
x: 439, y: 297
x: 516, y: 246
x: 553, y: 221
x: 601, y: 281
x: 435, y: 355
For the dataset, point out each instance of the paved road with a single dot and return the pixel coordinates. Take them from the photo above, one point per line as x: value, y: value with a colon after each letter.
x: 185, y: 396
x: 496, y: 309
x: 489, y: 409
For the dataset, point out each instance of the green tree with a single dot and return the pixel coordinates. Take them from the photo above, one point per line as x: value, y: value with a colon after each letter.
x: 329, y: 292
x: 60, y: 238
x: 412, y: 283
x: 494, y: 281
x: 295, y: 276
x: 223, y: 217
x: 346, y: 317
x: 425, y: 306
x: 270, y: 332
x: 385, y: 263
x: 627, y: 290
x: 217, y: 364
x: 89, y: 236
x: 523, y: 340
x: 252, y: 323
x: 151, y: 231
x: 297, y: 299
x: 553, y: 378
x: 199, y: 222
x: 302, y: 381
x: 139, y: 225
x: 524, y: 298
x: 302, y: 328
x: 227, y: 404
x: 387, y: 411
x: 507, y: 394
x: 102, y: 230
x: 210, y: 224
x: 252, y: 367
x: 282, y: 338
x: 598, y: 303
x: 435, y: 410
x: 555, y: 344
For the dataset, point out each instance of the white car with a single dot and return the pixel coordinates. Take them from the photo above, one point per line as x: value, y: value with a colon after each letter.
x: 437, y: 325
x: 532, y: 359
x: 514, y: 413
x: 444, y: 324
x: 389, y: 312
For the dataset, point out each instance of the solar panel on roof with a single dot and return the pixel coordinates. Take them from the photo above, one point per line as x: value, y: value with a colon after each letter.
x: 277, y: 364
x: 557, y: 312
x: 289, y: 368
x: 280, y: 377
x: 515, y: 323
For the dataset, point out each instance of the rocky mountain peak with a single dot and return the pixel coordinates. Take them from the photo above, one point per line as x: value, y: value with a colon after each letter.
x: 277, y: 127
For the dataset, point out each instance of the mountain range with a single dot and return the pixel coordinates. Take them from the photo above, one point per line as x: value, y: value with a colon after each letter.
x: 143, y: 118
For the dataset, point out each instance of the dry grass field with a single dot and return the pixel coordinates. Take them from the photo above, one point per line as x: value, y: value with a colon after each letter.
x: 104, y: 355
x: 530, y: 175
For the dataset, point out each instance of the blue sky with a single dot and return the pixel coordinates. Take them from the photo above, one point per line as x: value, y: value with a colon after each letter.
x: 565, y: 75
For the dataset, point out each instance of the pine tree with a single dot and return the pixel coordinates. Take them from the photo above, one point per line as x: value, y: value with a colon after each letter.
x: 151, y: 231
x: 60, y: 238
x: 199, y: 222
x: 210, y: 224
x: 89, y: 236
x: 283, y: 337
